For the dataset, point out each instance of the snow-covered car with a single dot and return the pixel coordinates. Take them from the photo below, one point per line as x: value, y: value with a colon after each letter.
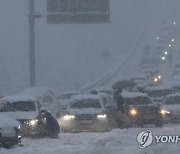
x: 24, y: 109
x: 141, y: 110
x: 158, y: 93
x: 85, y: 113
x: 171, y: 108
x: 46, y: 98
x: 9, y: 131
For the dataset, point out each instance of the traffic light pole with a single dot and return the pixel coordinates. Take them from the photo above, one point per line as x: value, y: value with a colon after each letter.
x: 32, y: 44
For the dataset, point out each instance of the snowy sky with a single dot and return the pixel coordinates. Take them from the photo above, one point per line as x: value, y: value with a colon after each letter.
x: 70, y: 56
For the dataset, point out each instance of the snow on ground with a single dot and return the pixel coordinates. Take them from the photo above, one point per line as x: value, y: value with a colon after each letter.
x: 115, y: 142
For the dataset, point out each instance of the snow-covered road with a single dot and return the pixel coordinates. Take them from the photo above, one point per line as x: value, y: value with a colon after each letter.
x: 115, y: 142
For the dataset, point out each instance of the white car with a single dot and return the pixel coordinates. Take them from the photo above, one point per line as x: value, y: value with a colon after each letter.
x: 46, y: 98
x: 22, y: 108
x: 9, y: 131
x: 171, y: 108
x: 85, y: 113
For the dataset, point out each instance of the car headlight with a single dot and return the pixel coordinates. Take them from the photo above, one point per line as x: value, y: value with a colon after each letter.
x: 101, y: 116
x: 68, y: 117
x: 19, y: 127
x: 164, y: 112
x: 33, y: 122
x: 133, y: 112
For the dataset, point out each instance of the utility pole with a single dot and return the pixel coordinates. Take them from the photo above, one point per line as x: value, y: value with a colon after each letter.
x: 32, y: 57
x: 32, y: 45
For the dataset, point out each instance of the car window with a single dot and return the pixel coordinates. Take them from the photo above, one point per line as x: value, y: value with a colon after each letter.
x: 159, y: 93
x: 138, y: 101
x: 172, y: 100
x: 17, y: 106
x: 85, y: 104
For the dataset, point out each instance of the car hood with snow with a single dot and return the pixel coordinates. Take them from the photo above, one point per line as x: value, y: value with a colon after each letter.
x: 6, y: 121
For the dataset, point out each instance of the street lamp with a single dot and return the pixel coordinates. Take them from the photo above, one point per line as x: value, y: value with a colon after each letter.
x: 165, y: 52
x: 32, y: 61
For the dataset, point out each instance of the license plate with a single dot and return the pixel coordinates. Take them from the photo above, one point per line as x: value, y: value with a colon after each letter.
x: 85, y: 122
x: 150, y: 116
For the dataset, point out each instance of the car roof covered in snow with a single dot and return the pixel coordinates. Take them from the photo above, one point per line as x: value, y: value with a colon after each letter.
x: 133, y: 94
x: 85, y: 97
x: 6, y: 121
x: 173, y: 95
x: 16, y: 98
x: 158, y: 88
x: 172, y: 83
x: 37, y: 91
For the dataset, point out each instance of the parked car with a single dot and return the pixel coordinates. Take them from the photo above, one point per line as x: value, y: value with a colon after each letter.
x: 46, y: 98
x: 85, y: 113
x: 141, y: 110
x: 171, y: 108
x: 24, y: 109
x: 9, y: 131
x: 158, y: 93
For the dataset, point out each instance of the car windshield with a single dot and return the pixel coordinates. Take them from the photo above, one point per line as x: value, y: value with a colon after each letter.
x: 85, y: 104
x: 17, y: 106
x: 137, y: 101
x: 159, y: 93
x: 172, y: 100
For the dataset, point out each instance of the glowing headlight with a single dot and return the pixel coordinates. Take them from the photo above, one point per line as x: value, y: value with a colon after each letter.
x: 164, y: 112
x: 33, y: 122
x: 102, y: 116
x: 68, y: 117
x: 133, y: 112
x: 19, y: 127
x: 155, y: 79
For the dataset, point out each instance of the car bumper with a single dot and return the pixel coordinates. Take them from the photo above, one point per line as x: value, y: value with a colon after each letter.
x: 145, y: 119
x: 9, y: 140
x: 84, y: 125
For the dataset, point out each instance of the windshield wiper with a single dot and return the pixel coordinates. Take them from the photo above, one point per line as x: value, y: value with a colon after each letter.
x: 24, y: 108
